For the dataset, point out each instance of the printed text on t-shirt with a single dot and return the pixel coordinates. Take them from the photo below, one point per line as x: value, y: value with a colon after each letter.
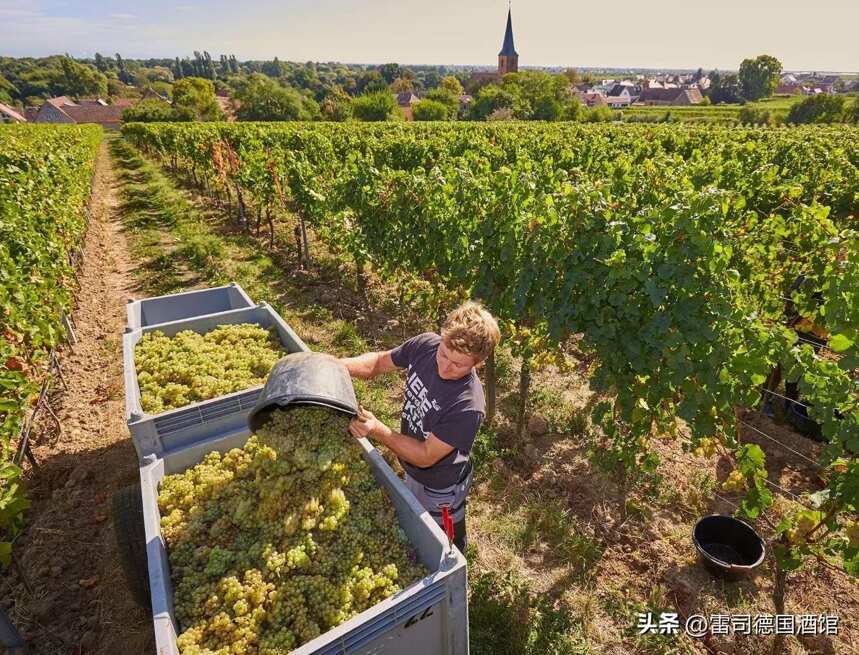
x: 417, y: 405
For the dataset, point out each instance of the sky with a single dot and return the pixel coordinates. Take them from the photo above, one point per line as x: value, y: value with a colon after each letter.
x: 803, y: 35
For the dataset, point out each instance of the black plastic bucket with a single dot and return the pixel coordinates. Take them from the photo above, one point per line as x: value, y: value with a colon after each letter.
x: 305, y: 378
x: 729, y: 547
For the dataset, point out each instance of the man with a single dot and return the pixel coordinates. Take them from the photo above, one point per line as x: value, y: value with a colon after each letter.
x: 442, y: 411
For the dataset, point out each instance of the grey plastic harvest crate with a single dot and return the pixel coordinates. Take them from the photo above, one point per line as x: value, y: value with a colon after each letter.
x: 428, y: 618
x: 177, y: 306
x: 161, y: 433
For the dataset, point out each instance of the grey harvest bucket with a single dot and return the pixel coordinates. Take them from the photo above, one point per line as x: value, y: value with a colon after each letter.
x: 305, y: 378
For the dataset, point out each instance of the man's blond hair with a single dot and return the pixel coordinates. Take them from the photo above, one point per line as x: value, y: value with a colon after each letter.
x: 471, y: 330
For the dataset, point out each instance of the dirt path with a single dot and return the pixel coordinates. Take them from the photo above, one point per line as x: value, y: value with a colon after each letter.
x: 79, y: 603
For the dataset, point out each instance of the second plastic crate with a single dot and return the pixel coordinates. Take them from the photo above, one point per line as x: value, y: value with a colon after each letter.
x: 161, y: 433
x: 178, y: 306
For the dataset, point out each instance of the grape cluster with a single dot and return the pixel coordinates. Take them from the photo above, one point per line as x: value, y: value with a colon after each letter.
x: 190, y: 367
x: 275, y: 543
x: 735, y: 482
x: 706, y: 447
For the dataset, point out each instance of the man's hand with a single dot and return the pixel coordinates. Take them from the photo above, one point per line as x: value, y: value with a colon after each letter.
x: 366, y: 425
x: 421, y: 453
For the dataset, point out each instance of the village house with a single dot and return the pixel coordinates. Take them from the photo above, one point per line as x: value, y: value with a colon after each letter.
x: 64, y: 110
x: 590, y: 98
x: 10, y: 115
x: 618, y: 102
x: 406, y: 101
x: 673, y: 96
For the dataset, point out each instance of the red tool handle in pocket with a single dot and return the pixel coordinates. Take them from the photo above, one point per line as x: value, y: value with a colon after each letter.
x: 447, y: 521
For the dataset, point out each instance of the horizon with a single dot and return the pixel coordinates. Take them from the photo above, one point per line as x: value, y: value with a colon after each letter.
x: 303, y: 30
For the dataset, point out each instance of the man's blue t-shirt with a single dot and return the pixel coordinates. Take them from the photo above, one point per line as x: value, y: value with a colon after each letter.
x: 451, y: 409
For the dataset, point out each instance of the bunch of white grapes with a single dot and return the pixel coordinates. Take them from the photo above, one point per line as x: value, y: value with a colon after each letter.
x: 176, y: 371
x: 273, y: 544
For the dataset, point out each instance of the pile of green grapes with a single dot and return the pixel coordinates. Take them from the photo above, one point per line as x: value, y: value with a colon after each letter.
x: 275, y: 543
x: 190, y: 367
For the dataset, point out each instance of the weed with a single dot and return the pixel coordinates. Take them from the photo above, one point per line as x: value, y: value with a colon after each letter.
x: 507, y: 618
x: 347, y: 338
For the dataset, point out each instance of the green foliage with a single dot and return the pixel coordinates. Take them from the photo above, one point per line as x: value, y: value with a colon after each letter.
x: 751, y: 116
x: 506, y: 617
x: 197, y: 96
x: 336, y: 106
x: 82, y: 80
x: 430, y: 110
x: 375, y: 106
x: 820, y: 108
x: 726, y: 89
x: 529, y: 96
x: 150, y: 111
x: 446, y: 97
x: 45, y: 177
x: 852, y: 113
x: 451, y: 85
x: 264, y: 99
x: 759, y: 77
x: 599, y: 114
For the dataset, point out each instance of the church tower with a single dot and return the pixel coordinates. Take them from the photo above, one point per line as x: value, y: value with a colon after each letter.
x: 508, y: 58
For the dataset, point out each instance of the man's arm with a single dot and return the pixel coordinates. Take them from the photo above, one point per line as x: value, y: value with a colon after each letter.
x: 369, y: 365
x: 417, y: 453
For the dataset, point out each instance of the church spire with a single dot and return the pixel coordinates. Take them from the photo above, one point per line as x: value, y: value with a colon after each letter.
x: 508, y: 58
x: 507, y: 50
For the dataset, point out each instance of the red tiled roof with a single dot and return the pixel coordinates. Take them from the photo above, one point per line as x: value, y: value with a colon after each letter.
x: 103, y: 115
x: 11, y: 113
x: 61, y: 101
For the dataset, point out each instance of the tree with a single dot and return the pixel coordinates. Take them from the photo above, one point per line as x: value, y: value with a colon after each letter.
x: 82, y: 80
x: 452, y: 85
x: 759, y: 77
x: 274, y: 68
x: 336, y: 106
x: 447, y: 98
x: 822, y: 108
x: 124, y: 75
x: 390, y: 72
x: 430, y: 110
x: 601, y: 114
x: 371, y: 81
x: 572, y: 76
x: 103, y: 64
x: 7, y: 90
x: 726, y: 90
x: 264, y: 99
x: 490, y: 99
x: 751, y: 116
x: 574, y: 111
x: 197, y: 96
x: 402, y: 85
x: 177, y: 70
x: 376, y: 106
x: 852, y: 114
x: 547, y: 108
x: 150, y: 111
